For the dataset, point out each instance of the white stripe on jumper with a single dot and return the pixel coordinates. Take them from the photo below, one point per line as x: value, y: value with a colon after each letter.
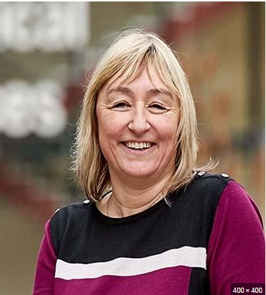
x: 185, y: 256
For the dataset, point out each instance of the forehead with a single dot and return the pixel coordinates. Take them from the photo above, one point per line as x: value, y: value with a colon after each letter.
x: 146, y: 76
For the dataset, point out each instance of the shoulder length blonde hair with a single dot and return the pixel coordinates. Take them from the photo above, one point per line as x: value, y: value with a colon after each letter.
x: 132, y: 51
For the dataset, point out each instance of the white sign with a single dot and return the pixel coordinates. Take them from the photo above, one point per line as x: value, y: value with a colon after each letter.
x: 27, y: 108
x: 45, y: 26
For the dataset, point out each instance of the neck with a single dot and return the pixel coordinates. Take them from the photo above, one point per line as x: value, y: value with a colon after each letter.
x: 127, y: 200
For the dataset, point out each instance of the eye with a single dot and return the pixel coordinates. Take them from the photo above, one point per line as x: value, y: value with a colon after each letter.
x: 121, y: 105
x: 156, y: 107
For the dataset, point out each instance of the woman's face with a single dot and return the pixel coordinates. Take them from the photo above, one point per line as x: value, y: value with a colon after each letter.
x: 137, y: 124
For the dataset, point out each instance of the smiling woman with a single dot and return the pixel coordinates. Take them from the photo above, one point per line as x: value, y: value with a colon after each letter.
x: 136, y: 59
x: 153, y: 223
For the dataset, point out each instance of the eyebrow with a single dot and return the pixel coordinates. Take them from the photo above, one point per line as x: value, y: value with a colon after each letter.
x: 150, y: 92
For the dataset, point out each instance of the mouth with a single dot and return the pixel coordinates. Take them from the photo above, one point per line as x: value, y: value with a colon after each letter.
x: 138, y: 146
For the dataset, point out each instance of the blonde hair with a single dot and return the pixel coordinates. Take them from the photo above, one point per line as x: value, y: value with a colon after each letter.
x: 128, y: 55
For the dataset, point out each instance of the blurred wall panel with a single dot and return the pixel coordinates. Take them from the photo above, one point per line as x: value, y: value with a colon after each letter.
x: 221, y: 46
x: 19, y: 244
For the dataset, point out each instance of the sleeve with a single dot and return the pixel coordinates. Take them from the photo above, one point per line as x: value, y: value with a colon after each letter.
x: 45, y: 269
x: 236, y: 250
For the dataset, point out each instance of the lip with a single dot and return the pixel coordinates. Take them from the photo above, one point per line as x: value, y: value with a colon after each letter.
x: 137, y: 141
x: 138, y: 152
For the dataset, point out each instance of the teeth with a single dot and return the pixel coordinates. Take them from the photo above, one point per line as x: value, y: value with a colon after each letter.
x: 138, y: 145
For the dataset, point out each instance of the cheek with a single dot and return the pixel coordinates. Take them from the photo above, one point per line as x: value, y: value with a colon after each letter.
x: 167, y: 130
x: 110, y: 127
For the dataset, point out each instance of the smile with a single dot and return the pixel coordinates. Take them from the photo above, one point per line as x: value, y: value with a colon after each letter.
x: 138, y: 145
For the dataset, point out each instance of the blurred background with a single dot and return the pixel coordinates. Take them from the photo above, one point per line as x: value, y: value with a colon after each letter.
x: 46, y: 52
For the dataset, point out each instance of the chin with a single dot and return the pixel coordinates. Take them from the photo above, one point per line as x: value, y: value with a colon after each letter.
x: 139, y: 172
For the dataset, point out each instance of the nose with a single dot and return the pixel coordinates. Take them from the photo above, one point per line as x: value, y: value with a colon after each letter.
x: 139, y: 123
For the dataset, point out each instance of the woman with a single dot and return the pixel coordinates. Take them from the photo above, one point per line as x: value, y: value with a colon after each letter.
x: 153, y: 223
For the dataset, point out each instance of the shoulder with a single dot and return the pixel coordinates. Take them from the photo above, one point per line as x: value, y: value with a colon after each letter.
x: 226, y: 196
x: 68, y: 219
x: 205, y: 192
x: 70, y: 211
x: 211, y: 180
x: 236, y: 201
x: 207, y: 186
x: 202, y: 195
x: 225, y: 188
x: 219, y: 187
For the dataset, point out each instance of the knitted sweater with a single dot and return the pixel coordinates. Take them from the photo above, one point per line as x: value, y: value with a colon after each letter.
x: 210, y: 236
